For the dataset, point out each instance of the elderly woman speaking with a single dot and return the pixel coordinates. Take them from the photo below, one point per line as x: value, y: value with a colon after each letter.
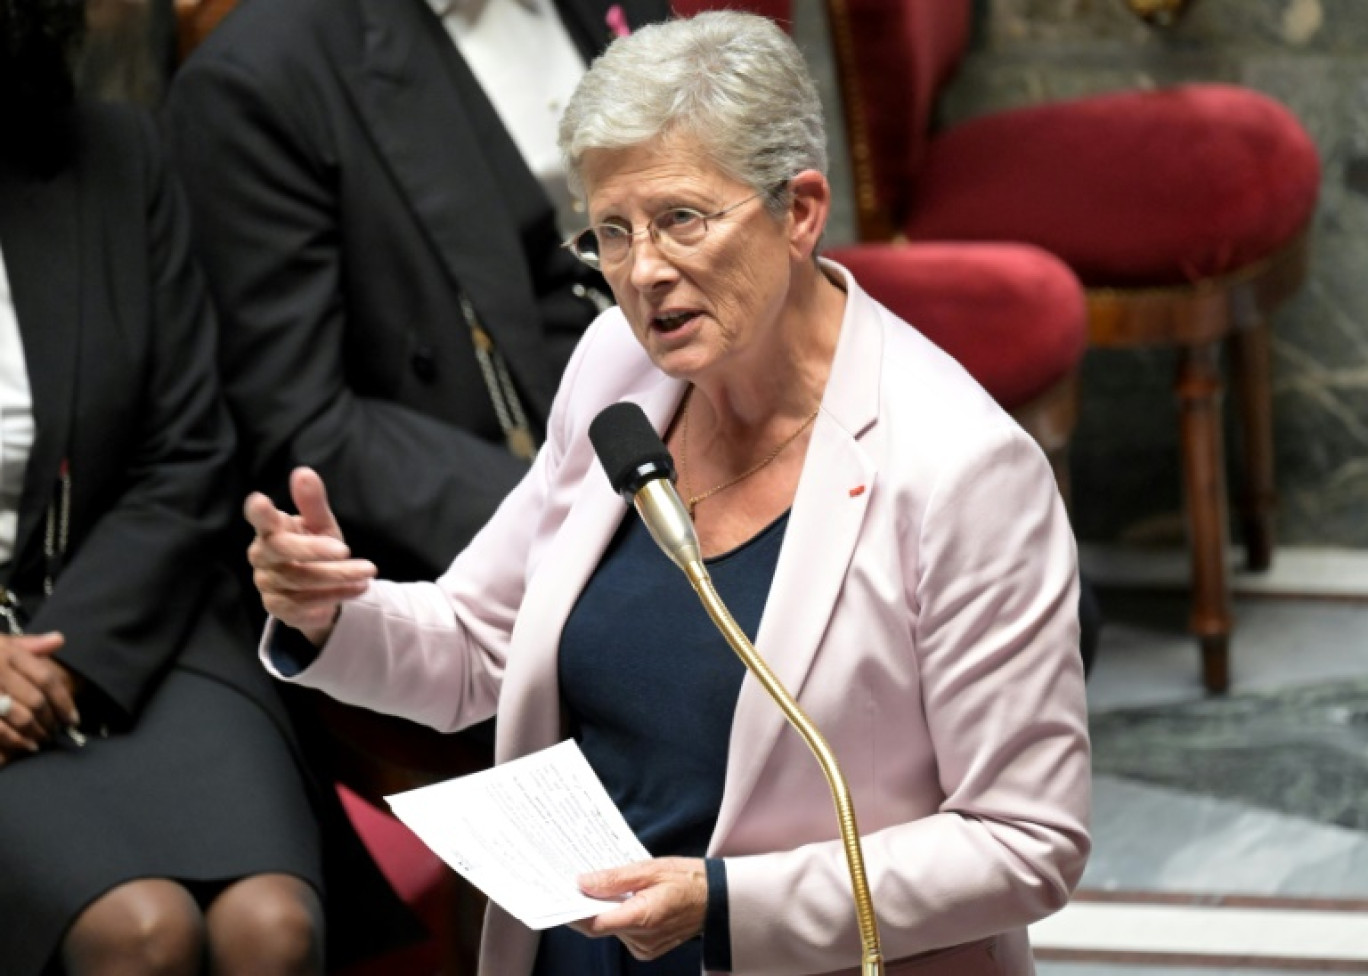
x: 891, y: 541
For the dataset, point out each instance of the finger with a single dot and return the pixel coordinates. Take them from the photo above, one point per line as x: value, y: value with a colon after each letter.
x: 620, y: 919
x: 647, y: 949
x: 619, y: 881
x: 315, y: 623
x: 48, y: 694
x: 304, y: 597
x: 31, y: 713
x: 23, y: 729
x: 647, y: 930
x: 652, y: 942
x: 12, y: 744
x: 642, y: 916
x: 38, y: 643
x: 284, y: 546
x: 297, y: 609
x: 306, y: 576
x: 26, y: 678
x: 312, y: 615
x: 60, y: 688
x: 311, y: 500
x: 263, y: 515
x: 642, y: 944
x: 667, y: 905
x: 308, y: 608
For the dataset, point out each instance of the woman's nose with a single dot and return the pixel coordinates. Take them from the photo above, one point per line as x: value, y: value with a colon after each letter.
x: 649, y: 265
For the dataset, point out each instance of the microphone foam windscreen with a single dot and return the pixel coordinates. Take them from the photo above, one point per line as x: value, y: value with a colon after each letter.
x: 626, y: 443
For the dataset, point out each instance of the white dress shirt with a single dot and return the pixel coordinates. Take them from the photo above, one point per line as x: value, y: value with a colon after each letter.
x: 16, y: 418
x: 524, y: 60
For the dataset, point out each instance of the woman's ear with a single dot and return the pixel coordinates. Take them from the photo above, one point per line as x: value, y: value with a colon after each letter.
x: 809, y: 206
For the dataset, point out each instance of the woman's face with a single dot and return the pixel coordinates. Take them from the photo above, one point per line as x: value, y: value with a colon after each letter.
x: 697, y: 313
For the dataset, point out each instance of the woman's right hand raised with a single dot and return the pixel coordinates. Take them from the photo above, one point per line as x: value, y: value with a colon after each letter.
x: 300, y: 565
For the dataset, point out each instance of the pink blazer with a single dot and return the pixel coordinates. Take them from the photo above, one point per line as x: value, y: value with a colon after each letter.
x: 923, y: 611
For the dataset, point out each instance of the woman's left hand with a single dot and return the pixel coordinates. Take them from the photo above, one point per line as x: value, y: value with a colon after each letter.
x: 39, y: 693
x: 669, y: 899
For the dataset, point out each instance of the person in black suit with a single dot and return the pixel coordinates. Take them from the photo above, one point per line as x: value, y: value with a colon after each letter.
x: 396, y: 305
x: 153, y: 814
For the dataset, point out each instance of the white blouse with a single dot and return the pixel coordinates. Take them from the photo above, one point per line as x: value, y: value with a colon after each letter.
x: 16, y: 417
x: 527, y: 65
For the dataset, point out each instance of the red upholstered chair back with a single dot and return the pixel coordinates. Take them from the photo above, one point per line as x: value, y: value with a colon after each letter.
x: 908, y: 50
x: 1014, y: 316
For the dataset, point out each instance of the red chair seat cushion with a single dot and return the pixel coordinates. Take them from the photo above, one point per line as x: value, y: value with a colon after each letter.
x: 417, y: 875
x: 1012, y: 315
x: 1139, y: 188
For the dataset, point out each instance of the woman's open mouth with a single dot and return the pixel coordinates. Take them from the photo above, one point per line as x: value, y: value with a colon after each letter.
x: 671, y: 321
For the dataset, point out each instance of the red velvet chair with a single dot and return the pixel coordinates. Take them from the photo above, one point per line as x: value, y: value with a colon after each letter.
x: 1013, y: 315
x: 419, y: 877
x: 1184, y: 211
x: 373, y: 756
x: 1010, y: 314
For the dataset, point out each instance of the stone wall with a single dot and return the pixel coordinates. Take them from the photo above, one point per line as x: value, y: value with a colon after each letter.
x: 1313, y: 56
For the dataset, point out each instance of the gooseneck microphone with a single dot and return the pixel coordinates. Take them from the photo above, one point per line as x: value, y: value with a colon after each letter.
x: 641, y: 470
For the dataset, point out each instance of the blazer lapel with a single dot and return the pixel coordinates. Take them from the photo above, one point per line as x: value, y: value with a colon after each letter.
x: 530, y: 719
x: 828, y: 512
x: 40, y: 237
x: 456, y: 166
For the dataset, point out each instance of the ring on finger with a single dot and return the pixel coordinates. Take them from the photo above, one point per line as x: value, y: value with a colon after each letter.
x: 6, y: 705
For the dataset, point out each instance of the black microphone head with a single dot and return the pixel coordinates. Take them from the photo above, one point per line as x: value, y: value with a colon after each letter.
x: 629, y: 449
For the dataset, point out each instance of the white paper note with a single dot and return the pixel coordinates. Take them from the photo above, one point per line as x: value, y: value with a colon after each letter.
x: 523, y: 831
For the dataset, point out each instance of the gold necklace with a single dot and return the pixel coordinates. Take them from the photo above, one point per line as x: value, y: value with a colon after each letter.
x: 693, y: 500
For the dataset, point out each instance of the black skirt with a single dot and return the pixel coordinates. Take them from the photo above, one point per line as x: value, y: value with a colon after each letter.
x: 203, y: 788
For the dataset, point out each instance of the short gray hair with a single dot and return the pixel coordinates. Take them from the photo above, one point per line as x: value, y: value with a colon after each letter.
x: 735, y: 82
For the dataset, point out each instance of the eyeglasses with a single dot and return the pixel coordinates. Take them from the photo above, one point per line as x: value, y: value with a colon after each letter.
x: 676, y: 232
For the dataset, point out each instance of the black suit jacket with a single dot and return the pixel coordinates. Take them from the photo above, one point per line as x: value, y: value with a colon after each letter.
x: 120, y: 345
x: 119, y: 342
x: 349, y: 182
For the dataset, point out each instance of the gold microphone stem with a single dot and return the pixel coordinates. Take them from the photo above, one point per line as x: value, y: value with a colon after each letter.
x: 872, y: 962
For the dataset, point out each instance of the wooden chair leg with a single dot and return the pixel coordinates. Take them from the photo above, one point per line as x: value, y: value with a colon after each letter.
x: 1250, y: 378
x: 1199, y: 390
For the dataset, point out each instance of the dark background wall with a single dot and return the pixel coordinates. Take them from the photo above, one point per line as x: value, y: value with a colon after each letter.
x: 1313, y: 56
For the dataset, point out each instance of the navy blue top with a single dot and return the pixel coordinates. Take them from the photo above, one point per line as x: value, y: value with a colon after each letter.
x: 650, y: 687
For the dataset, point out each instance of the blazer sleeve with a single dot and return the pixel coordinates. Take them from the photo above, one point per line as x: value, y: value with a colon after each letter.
x: 995, y: 636
x: 133, y: 586
x: 409, y: 490
x: 435, y: 652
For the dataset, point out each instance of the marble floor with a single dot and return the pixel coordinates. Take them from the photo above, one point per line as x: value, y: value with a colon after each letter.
x: 1231, y: 833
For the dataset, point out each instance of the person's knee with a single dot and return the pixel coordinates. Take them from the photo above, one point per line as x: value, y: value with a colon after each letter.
x: 265, y: 925
x: 150, y: 927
